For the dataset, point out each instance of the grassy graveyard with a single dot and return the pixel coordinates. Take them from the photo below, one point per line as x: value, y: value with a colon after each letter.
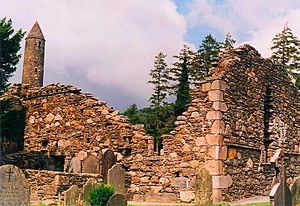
x: 220, y: 204
x: 166, y: 204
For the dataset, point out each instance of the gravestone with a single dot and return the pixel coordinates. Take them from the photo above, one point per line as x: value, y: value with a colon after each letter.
x: 71, y: 196
x: 180, y: 182
x: 87, y: 188
x: 90, y: 164
x: 14, y: 188
x: 295, y: 189
x: 75, y: 165
x: 108, y: 160
x: 116, y: 178
x: 203, y: 187
x: 280, y: 193
x: 117, y: 200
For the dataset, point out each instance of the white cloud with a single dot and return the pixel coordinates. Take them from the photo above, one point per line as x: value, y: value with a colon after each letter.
x: 262, y: 38
x: 258, y: 20
x: 204, y: 12
x: 109, y: 42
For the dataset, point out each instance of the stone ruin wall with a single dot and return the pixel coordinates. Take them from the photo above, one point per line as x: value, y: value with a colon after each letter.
x: 63, y: 121
x: 223, y: 131
x: 50, y: 185
x: 171, y: 177
x: 265, y: 102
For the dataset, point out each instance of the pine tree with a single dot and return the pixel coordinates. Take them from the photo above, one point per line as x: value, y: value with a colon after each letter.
x: 207, y: 56
x: 160, y: 80
x: 286, y: 51
x: 185, y: 58
x: 181, y: 73
x: 228, y: 42
x: 9, y: 48
x: 132, y: 113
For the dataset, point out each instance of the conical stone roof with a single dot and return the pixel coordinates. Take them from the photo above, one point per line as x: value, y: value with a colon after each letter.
x: 36, y: 32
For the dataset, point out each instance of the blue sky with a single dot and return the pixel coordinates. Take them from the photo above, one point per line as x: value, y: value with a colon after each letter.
x: 107, y: 47
x: 195, y: 35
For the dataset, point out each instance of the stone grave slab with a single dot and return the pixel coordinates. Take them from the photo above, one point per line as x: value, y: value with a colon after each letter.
x: 91, y: 164
x: 87, y: 188
x: 71, y: 196
x: 116, y: 178
x: 180, y: 182
x: 295, y: 189
x: 280, y: 193
x: 14, y: 188
x: 203, y: 188
x: 75, y: 165
x: 108, y: 160
x: 117, y: 200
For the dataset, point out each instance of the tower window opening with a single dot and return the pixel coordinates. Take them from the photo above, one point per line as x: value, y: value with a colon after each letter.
x: 40, y: 44
x: 35, y: 69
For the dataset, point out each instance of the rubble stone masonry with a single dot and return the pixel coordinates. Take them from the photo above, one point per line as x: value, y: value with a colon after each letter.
x: 239, y: 116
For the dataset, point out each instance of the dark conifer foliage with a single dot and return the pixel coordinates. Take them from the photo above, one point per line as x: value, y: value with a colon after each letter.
x: 10, y: 44
x: 286, y: 51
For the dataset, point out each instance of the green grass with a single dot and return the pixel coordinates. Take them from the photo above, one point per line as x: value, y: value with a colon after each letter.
x: 220, y: 204
x: 258, y: 204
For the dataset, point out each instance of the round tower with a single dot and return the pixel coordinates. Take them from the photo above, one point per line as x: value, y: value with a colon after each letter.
x: 33, y: 66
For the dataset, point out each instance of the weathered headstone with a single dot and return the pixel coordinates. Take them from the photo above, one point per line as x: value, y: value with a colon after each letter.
x: 203, y: 186
x: 117, y: 200
x: 14, y: 188
x: 180, y: 182
x: 87, y: 188
x: 108, y: 160
x: 116, y: 178
x: 90, y: 164
x: 280, y: 194
x: 295, y: 189
x: 71, y: 196
x: 75, y: 165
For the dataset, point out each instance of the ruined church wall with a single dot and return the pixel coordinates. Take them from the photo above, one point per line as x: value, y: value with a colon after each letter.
x: 285, y: 112
x: 196, y: 142
x: 50, y: 185
x: 62, y: 120
x: 249, y: 177
x: 224, y: 131
x: 262, y: 109
x: 243, y: 72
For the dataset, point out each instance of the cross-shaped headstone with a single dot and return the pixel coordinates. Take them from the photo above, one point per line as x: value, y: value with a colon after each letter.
x: 9, y: 174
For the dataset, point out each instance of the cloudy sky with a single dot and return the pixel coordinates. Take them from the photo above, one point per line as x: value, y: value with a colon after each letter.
x: 106, y: 47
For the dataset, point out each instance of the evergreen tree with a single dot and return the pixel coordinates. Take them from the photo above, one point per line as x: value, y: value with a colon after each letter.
x: 9, y: 48
x: 208, y: 54
x: 186, y: 58
x: 228, y: 42
x: 132, y: 113
x: 183, y: 96
x: 196, y: 71
x: 160, y: 80
x: 12, y: 122
x: 286, y: 51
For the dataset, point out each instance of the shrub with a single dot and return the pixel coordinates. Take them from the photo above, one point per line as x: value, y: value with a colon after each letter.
x: 101, y: 194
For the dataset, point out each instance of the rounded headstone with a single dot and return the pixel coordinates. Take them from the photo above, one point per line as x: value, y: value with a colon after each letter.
x: 14, y: 188
x: 117, y: 200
